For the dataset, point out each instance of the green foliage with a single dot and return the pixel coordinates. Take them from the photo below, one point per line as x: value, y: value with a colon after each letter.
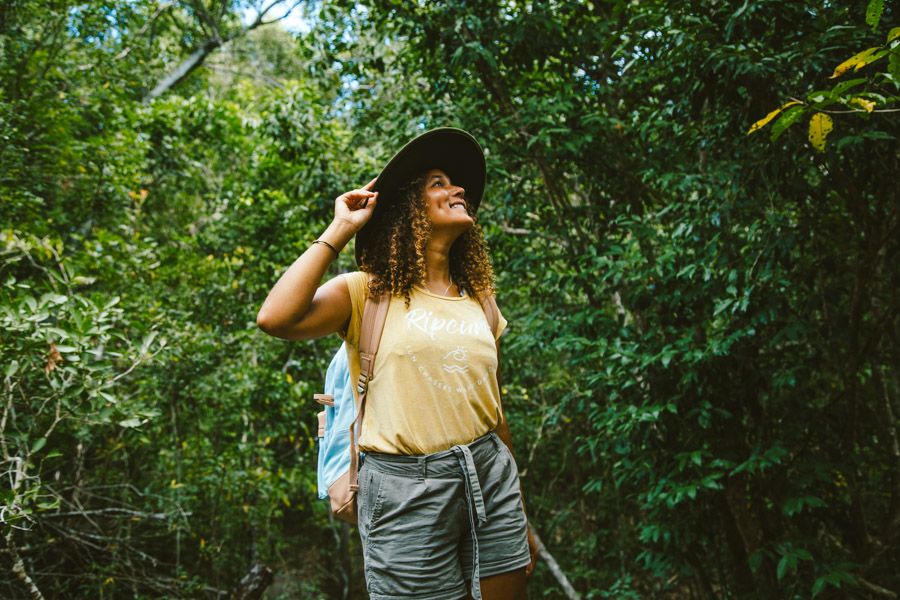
x: 880, y: 90
x: 700, y: 371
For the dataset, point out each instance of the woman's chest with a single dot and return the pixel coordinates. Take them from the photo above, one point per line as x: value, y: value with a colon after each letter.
x: 452, y: 337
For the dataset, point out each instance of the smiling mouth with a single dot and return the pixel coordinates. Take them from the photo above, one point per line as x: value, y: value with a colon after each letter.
x: 457, y: 203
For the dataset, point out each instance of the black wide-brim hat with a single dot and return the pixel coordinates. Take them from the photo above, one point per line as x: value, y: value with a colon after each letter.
x: 450, y: 149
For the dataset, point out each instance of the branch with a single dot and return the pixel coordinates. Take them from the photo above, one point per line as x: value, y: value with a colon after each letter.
x: 145, y: 27
x: 561, y: 578
x: 19, y: 569
x: 4, y: 449
x: 515, y: 230
x: 537, y: 440
x: 847, y: 111
x: 877, y: 589
x: 111, y: 511
x: 198, y: 56
x: 254, y: 583
x: 259, y: 17
x: 135, y: 364
x: 186, y: 67
x: 859, y: 110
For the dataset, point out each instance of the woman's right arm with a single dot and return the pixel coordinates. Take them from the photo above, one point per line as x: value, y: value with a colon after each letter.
x: 296, y: 307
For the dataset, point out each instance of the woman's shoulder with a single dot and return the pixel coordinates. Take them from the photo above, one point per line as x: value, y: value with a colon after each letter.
x: 355, y: 276
x: 357, y: 284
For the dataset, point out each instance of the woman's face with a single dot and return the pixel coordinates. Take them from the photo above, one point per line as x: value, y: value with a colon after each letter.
x: 445, y: 203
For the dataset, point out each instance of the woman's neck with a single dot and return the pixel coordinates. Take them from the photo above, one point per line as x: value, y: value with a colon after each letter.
x: 437, y: 271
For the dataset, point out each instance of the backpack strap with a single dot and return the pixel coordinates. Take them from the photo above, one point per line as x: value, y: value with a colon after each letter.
x: 373, y: 318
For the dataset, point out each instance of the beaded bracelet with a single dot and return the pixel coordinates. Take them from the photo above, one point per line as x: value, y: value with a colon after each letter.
x: 333, y: 249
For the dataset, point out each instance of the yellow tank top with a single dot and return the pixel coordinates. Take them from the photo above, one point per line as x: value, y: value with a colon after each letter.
x: 435, y: 382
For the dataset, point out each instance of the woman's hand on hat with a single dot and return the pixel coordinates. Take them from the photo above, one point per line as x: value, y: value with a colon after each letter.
x: 355, y: 208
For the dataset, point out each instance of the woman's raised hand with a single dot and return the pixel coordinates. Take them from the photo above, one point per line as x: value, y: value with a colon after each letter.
x: 354, y: 208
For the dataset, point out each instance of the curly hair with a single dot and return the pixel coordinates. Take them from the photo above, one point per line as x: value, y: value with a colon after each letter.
x: 396, y: 259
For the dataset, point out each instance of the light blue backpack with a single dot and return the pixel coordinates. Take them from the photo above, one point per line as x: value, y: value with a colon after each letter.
x: 338, y: 468
x: 339, y: 427
x: 335, y: 421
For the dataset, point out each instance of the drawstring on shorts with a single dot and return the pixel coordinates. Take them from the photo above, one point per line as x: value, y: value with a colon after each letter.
x: 474, y: 499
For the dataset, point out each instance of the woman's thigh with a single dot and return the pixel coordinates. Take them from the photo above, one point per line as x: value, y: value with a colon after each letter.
x: 505, y: 586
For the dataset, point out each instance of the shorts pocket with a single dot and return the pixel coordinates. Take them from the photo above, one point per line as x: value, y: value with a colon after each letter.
x: 371, y: 496
x: 502, y: 478
x: 508, y: 461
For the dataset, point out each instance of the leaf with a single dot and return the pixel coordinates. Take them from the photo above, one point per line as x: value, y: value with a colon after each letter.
x: 855, y: 62
x: 147, y: 341
x: 867, y: 105
x: 38, y: 444
x: 108, y: 397
x: 873, y: 13
x: 788, y: 561
x: 820, y: 125
x: 82, y: 280
x: 793, y: 506
x: 894, y: 68
x: 803, y: 554
x: 131, y: 423
x: 821, y: 96
x: 893, y: 34
x: 49, y: 505
x: 834, y: 579
x: 818, y: 586
x: 765, y: 120
x: 787, y: 119
x: 755, y: 560
x: 846, y: 85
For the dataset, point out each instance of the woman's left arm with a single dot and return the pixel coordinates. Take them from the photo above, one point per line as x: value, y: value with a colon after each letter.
x: 502, y: 431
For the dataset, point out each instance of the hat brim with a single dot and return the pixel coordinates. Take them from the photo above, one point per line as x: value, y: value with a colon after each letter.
x: 447, y: 148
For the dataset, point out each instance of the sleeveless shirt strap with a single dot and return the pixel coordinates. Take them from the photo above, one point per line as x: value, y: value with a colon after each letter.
x: 491, y: 312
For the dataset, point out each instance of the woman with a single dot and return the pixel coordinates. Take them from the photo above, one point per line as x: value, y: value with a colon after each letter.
x: 440, y: 512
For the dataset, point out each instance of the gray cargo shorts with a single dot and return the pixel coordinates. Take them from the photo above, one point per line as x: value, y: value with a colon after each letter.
x: 429, y: 523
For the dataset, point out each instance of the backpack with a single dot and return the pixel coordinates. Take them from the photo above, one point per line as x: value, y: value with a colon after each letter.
x: 340, y: 423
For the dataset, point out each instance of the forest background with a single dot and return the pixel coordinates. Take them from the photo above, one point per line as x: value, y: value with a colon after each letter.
x: 701, y: 371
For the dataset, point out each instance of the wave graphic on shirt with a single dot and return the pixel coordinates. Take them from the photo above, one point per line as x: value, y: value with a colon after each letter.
x: 459, y: 358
